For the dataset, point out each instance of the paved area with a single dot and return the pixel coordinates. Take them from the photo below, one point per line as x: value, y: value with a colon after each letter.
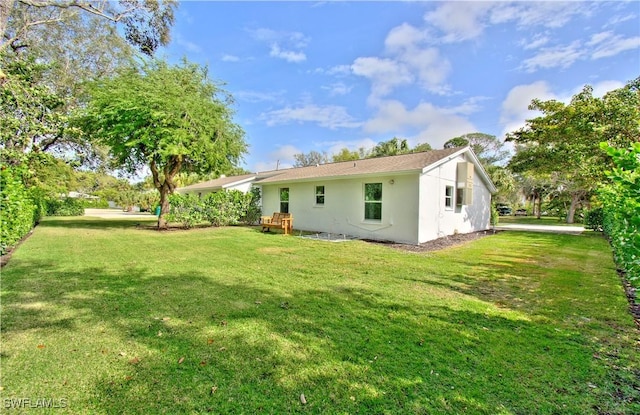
x: 117, y: 214
x: 541, y: 228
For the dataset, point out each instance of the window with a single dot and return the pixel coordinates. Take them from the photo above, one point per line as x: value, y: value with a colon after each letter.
x: 448, y: 197
x: 319, y: 195
x: 373, y: 201
x: 284, y: 200
x: 459, y: 196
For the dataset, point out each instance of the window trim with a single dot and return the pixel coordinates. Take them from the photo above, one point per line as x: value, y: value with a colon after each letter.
x: 449, y: 197
x: 376, y: 220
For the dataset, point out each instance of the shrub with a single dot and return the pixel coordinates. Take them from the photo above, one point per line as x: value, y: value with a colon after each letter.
x: 226, y: 207
x: 186, y: 210
x: 593, y: 219
x: 65, y: 207
x: 254, y: 210
x: 17, y: 210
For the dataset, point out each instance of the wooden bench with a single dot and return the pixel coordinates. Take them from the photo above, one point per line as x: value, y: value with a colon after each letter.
x: 278, y: 220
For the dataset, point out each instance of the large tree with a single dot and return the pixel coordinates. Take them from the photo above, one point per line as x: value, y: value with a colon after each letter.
x: 146, y: 23
x: 488, y: 148
x: 565, y: 140
x: 310, y: 159
x: 169, y: 118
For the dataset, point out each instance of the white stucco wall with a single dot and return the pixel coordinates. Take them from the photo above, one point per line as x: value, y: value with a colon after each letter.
x: 343, y: 210
x: 413, y: 206
x: 435, y: 219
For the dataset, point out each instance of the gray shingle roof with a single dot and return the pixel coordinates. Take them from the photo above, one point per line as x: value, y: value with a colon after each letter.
x: 218, y: 183
x: 389, y: 164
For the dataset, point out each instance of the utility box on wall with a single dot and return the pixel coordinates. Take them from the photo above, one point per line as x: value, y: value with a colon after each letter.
x: 464, y: 183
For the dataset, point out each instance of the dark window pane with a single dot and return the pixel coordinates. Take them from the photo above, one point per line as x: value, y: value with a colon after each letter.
x: 373, y: 192
x: 320, y: 200
x: 284, y: 194
x: 319, y: 190
x: 284, y: 207
x: 373, y: 211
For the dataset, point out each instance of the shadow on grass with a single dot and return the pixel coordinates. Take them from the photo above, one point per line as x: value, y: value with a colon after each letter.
x: 203, y: 344
x: 89, y: 222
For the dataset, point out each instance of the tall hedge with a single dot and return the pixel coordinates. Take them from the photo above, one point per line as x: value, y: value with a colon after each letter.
x: 621, y: 209
x: 18, y: 212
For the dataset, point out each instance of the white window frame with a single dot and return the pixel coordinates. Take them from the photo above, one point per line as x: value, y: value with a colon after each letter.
x: 449, y: 197
x: 372, y: 202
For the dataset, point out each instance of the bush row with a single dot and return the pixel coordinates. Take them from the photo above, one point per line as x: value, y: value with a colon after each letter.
x: 18, y: 211
x: 621, y: 209
x: 219, y: 209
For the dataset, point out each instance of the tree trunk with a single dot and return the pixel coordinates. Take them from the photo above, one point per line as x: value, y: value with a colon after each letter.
x: 539, y: 208
x: 572, y: 208
x: 164, y: 206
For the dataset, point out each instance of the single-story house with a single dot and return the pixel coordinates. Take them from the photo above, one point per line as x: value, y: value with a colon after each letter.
x: 409, y: 198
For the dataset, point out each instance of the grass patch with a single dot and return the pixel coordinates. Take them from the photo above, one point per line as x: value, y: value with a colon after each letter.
x: 118, y: 319
x: 532, y: 220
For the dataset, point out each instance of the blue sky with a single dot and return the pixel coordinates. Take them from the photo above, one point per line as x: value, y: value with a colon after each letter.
x: 327, y: 75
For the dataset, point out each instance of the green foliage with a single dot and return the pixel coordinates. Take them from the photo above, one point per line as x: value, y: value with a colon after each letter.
x: 171, y: 118
x: 31, y: 116
x: 18, y: 212
x: 67, y: 206
x: 226, y: 207
x: 391, y: 147
x: 187, y: 210
x: 254, y: 210
x: 489, y: 149
x: 593, y: 219
x: 564, y: 142
x: 621, y: 208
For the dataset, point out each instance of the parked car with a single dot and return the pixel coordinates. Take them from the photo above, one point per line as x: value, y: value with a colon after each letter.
x: 504, y: 210
x: 521, y: 212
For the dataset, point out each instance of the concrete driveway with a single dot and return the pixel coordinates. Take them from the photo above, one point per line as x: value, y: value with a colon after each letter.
x: 541, y: 228
x: 117, y: 214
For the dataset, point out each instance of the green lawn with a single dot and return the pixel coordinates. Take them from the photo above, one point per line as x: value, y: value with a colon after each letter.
x: 103, y: 317
x: 532, y: 220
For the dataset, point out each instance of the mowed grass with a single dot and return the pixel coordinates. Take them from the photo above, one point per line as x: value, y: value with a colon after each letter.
x: 533, y: 220
x: 105, y: 318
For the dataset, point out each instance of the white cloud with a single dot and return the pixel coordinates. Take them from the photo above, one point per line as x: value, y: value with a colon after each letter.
x: 288, y: 55
x: 602, y: 87
x: 282, y: 158
x: 385, y: 74
x: 404, y: 37
x: 426, y: 122
x: 336, y: 146
x: 600, y: 45
x: 230, y: 58
x: 330, y: 116
x: 189, y: 46
x: 460, y: 21
x: 257, y: 96
x: 559, y: 56
x: 538, y: 41
x: 338, y: 88
x: 608, y: 44
x: 409, y: 60
x: 283, y: 45
x: 515, y: 107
